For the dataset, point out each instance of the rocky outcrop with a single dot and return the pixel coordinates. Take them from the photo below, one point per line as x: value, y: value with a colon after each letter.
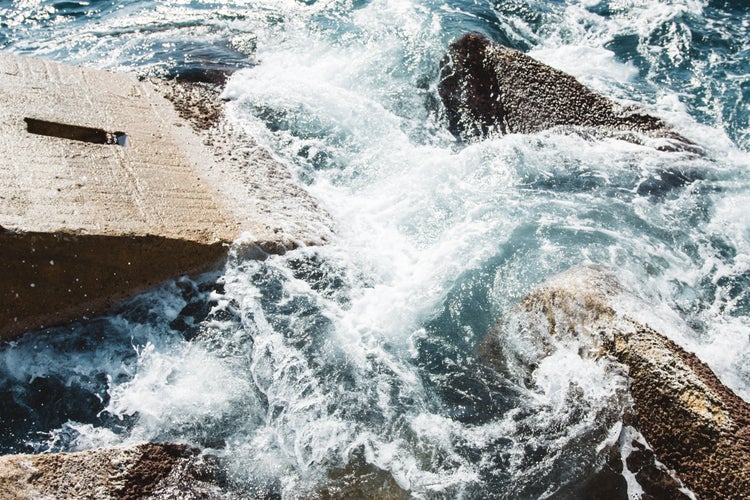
x: 159, y: 471
x: 487, y: 88
x: 692, y: 421
x: 695, y: 425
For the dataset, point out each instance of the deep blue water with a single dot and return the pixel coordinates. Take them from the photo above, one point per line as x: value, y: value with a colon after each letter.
x: 290, y: 367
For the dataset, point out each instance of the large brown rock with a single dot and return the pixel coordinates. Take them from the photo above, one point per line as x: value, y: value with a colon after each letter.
x: 695, y: 425
x: 159, y: 471
x: 491, y: 89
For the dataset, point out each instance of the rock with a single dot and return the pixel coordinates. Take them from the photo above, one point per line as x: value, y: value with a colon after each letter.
x: 158, y: 471
x: 695, y: 425
x: 652, y: 476
x: 359, y: 479
x: 487, y: 89
x: 198, y: 103
x: 609, y: 483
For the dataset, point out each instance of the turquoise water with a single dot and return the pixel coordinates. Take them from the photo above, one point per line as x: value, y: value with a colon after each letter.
x: 293, y: 366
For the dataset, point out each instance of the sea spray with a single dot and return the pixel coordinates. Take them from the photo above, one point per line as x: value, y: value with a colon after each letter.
x: 365, y: 350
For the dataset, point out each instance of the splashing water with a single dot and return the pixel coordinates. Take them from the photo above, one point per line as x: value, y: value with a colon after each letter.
x: 366, y: 349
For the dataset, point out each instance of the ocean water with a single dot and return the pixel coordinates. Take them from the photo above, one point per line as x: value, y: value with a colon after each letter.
x: 365, y: 351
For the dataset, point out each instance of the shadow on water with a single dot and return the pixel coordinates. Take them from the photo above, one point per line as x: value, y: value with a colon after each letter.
x: 54, y: 376
x: 194, y: 61
x: 58, y: 375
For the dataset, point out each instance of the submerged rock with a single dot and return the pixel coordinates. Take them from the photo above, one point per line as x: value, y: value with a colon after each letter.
x: 160, y: 471
x: 360, y: 479
x: 491, y: 89
x: 694, y: 424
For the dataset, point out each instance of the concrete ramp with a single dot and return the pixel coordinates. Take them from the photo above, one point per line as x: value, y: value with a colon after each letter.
x: 104, y: 191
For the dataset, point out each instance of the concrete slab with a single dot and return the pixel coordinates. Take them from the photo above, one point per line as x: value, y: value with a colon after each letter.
x: 105, y: 191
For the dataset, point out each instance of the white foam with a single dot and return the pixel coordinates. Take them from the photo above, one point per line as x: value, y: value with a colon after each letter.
x: 594, y: 66
x: 163, y: 391
x: 416, y: 214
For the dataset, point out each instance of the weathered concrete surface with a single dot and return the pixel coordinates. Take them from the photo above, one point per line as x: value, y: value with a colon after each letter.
x: 84, y: 225
x: 488, y: 88
x: 695, y: 425
x: 158, y: 471
x: 279, y: 213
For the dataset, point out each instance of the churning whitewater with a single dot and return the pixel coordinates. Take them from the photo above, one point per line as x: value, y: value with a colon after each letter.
x: 366, y: 352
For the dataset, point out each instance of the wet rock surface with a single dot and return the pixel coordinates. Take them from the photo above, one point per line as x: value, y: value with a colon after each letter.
x: 487, y: 89
x: 359, y: 479
x: 609, y: 483
x: 198, y: 103
x: 158, y: 471
x: 693, y: 424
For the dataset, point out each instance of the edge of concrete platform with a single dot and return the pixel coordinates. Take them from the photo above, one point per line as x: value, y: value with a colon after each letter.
x: 59, y: 277
x: 276, y: 211
x: 118, y: 235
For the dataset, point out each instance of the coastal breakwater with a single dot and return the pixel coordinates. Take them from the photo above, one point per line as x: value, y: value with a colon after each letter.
x: 107, y: 190
x: 547, y: 309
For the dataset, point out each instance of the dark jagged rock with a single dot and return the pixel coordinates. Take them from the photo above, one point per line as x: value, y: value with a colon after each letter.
x: 694, y: 424
x: 491, y: 89
x: 654, y: 480
x: 608, y: 483
x: 158, y: 471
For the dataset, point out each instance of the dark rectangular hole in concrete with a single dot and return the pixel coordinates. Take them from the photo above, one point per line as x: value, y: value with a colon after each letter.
x: 75, y: 132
